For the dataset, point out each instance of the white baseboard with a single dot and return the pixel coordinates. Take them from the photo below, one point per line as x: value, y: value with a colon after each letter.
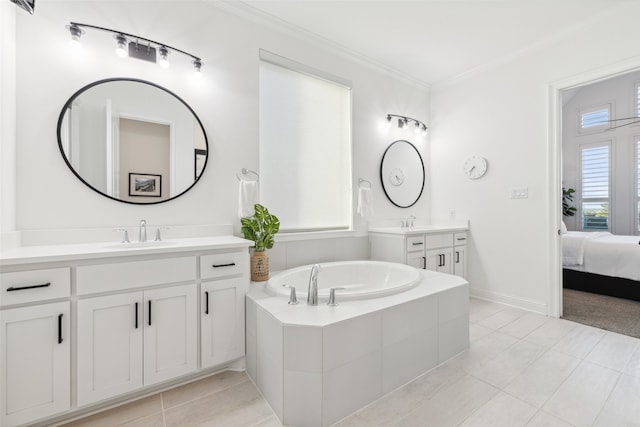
x: 523, y: 303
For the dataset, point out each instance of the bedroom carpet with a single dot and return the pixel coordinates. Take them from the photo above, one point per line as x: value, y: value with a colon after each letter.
x: 601, y: 311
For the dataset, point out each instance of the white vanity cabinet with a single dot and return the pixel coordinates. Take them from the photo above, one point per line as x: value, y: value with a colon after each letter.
x: 86, y: 327
x: 439, y: 249
x: 134, y: 339
x: 35, y: 350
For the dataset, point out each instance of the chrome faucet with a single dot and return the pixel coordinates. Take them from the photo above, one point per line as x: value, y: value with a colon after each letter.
x: 142, y: 237
x: 312, y: 292
x: 408, y: 223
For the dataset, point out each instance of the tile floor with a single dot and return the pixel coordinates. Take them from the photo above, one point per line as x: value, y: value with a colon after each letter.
x: 522, y: 369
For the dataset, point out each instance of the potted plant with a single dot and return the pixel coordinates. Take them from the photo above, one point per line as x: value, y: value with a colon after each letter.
x: 567, y: 197
x: 261, y: 228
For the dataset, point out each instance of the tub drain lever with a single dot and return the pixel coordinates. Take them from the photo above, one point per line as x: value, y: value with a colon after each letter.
x: 292, y: 296
x: 332, y: 296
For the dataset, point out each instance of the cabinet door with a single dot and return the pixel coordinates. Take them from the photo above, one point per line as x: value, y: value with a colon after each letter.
x: 416, y: 259
x: 222, y: 322
x: 109, y: 346
x: 170, y: 333
x: 440, y: 260
x: 35, y: 358
x: 460, y: 261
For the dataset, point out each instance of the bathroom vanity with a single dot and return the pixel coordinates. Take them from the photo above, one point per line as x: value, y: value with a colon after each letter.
x: 441, y: 248
x: 88, y: 326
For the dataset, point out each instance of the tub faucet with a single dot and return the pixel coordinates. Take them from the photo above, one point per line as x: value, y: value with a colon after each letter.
x: 142, y: 237
x: 312, y: 292
x: 408, y: 223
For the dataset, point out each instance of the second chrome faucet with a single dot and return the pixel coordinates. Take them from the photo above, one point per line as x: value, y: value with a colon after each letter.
x: 312, y: 292
x: 142, y: 236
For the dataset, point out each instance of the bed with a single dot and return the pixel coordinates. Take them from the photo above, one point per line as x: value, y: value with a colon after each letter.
x: 602, y: 263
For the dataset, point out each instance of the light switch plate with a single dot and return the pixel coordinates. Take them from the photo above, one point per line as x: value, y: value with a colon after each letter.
x: 520, y: 193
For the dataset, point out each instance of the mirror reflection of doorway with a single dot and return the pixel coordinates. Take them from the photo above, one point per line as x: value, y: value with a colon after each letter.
x: 143, y: 148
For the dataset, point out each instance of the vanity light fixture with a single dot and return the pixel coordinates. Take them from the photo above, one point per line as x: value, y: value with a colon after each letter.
x: 135, y: 46
x: 403, y: 123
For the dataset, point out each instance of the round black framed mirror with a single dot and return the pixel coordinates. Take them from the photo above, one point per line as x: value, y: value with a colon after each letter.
x: 402, y: 174
x: 132, y: 141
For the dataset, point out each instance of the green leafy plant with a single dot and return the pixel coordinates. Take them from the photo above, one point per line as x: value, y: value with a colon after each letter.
x: 567, y: 197
x: 261, y: 228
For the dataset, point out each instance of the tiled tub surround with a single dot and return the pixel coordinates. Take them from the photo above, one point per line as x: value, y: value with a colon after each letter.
x: 89, y: 326
x: 317, y: 364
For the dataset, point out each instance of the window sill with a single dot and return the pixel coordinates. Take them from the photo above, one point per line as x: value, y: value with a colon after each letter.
x: 318, y: 235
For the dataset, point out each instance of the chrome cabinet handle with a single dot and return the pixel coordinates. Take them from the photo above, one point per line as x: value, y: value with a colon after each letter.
x: 231, y: 264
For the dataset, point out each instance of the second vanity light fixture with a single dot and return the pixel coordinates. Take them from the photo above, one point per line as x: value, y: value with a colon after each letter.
x: 135, y: 46
x: 405, y: 121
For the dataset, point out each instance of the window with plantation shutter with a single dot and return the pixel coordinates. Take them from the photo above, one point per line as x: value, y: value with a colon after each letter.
x: 595, y: 172
x: 595, y: 118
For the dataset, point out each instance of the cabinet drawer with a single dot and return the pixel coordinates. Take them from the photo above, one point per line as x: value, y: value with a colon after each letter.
x: 34, y: 285
x: 127, y: 275
x: 415, y: 243
x: 460, y: 238
x: 224, y: 265
x: 439, y: 240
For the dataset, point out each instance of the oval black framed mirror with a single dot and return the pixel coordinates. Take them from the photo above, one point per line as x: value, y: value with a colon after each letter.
x: 402, y: 174
x: 132, y: 141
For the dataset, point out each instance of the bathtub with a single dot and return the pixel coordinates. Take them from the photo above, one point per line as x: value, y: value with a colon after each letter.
x: 360, y: 279
x: 317, y: 364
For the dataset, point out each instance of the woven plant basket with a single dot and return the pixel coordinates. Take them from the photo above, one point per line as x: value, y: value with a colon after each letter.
x: 259, y: 266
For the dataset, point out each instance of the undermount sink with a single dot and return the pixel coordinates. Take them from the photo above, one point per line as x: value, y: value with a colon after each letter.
x: 137, y: 245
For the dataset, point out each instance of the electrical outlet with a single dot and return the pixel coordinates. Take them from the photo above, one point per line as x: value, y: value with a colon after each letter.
x: 520, y: 193
x: 452, y: 214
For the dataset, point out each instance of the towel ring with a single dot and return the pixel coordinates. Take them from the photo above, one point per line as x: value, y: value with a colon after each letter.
x: 246, y: 171
x: 361, y: 181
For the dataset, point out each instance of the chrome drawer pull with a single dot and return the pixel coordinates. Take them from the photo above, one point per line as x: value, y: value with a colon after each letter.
x: 22, y: 288
x: 231, y: 264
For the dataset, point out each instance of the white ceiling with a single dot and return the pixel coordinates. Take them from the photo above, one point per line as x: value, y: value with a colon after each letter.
x: 434, y: 40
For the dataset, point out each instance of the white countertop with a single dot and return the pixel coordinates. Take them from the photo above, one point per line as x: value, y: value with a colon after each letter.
x: 322, y: 315
x: 420, y: 229
x: 71, y: 252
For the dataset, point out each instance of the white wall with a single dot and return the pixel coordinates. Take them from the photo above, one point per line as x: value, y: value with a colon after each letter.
x: 621, y: 93
x: 226, y: 100
x: 502, y: 113
x: 8, y: 123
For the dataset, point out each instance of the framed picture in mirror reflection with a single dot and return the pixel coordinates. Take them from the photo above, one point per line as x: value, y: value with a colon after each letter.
x: 145, y: 185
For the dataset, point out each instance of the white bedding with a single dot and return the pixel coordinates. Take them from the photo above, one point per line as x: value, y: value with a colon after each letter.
x: 602, y: 253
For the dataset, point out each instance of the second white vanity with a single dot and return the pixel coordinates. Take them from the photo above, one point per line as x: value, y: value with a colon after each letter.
x: 441, y: 248
x: 87, y: 326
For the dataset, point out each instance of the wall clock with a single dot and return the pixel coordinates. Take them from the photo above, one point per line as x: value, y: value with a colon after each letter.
x: 475, y: 167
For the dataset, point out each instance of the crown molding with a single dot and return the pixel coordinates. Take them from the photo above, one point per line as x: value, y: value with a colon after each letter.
x: 250, y: 13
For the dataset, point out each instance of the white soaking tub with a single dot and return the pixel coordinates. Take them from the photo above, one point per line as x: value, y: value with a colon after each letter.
x: 359, y: 279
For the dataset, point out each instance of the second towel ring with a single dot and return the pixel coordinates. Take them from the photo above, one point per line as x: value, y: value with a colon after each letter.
x: 246, y: 171
x: 361, y: 181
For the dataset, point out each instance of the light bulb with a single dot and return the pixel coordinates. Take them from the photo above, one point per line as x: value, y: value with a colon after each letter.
x: 197, y: 65
x: 424, y: 130
x: 163, y: 61
x: 388, y: 120
x: 417, y: 129
x: 405, y: 124
x: 76, y: 33
x: 121, y: 49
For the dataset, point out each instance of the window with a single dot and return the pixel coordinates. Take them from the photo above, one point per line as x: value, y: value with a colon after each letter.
x: 594, y: 162
x: 305, y: 146
x: 595, y: 118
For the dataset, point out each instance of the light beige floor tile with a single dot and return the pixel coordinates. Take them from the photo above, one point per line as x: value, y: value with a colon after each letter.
x: 452, y: 405
x: 481, y: 309
x: 501, y: 411
x: 201, y: 388
x: 483, y: 351
x: 580, y: 341
x: 126, y: 413
x: 156, y: 420
x: 436, y: 379
x: 542, y: 378
x: 623, y: 406
x: 476, y: 332
x: 509, y: 364
x: 237, y: 405
x: 581, y: 397
x: 355, y: 420
x: 543, y: 419
x: 502, y: 318
x: 523, y: 326
x: 551, y: 332
x: 270, y: 421
x: 614, y: 351
x: 633, y: 367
